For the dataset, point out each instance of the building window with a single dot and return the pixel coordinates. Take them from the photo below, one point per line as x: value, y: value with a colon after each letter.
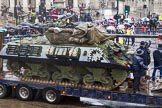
x: 70, y: 3
x: 8, y: 3
x: 29, y: 1
x: 113, y: 5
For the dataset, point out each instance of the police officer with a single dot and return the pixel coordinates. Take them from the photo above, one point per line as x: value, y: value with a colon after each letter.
x: 138, y: 69
x: 157, y: 55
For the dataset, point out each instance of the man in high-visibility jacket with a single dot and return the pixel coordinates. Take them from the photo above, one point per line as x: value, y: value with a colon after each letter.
x: 128, y: 32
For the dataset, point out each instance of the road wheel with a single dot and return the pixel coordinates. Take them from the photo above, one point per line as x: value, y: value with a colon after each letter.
x: 3, y: 91
x: 51, y: 96
x: 24, y: 93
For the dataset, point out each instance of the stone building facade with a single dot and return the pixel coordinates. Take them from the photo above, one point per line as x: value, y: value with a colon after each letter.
x: 106, y: 7
x: 24, y: 3
x: 143, y: 8
x: 158, y: 6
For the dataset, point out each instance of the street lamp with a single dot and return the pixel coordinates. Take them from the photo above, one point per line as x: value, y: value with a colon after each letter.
x: 15, y: 11
x: 149, y: 9
x: 102, y: 5
x: 117, y: 13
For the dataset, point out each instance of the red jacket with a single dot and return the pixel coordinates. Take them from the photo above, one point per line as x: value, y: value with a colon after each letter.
x: 143, y: 29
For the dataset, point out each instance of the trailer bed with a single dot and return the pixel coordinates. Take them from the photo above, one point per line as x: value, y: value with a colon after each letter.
x: 147, y: 98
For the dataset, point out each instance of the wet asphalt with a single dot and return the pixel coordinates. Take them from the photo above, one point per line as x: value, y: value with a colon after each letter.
x: 65, y: 103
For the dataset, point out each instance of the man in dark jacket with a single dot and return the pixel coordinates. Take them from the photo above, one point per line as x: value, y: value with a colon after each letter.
x: 138, y: 69
x: 146, y: 55
x: 157, y: 55
x: 147, y: 52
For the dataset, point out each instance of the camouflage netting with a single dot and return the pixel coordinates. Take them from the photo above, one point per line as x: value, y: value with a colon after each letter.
x: 84, y: 33
x: 102, y: 78
x: 34, y: 40
x: 115, y: 51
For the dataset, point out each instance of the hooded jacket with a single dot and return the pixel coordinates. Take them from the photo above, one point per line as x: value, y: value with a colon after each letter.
x: 157, y: 55
x: 138, y: 66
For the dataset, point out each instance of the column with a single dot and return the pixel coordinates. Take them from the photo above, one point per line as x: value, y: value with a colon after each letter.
x: 75, y: 4
x: 87, y: 3
x: 51, y: 1
x: 48, y: 4
x: 0, y: 6
x: 37, y: 4
x: 25, y: 5
x: 64, y: 3
x: 12, y: 5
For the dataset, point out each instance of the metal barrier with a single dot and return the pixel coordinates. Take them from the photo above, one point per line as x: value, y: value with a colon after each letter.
x: 17, y: 37
x: 138, y: 30
x: 136, y: 35
x: 131, y: 39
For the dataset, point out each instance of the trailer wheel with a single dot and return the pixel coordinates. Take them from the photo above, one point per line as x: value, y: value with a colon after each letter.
x: 3, y: 91
x: 51, y: 96
x: 24, y: 93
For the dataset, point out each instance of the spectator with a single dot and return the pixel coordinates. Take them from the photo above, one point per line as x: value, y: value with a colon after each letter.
x: 128, y: 32
x: 25, y: 19
x: 36, y: 20
x: 157, y: 55
x: 44, y: 19
x: 61, y: 11
x: 29, y: 17
x: 97, y: 14
x: 143, y: 29
x: 132, y: 37
x: 132, y: 33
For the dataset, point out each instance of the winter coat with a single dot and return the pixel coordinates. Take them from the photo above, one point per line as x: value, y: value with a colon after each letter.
x: 146, y: 56
x: 138, y: 66
x: 157, y: 55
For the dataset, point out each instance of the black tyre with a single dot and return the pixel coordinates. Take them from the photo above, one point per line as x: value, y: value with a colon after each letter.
x: 51, y: 96
x: 24, y: 93
x: 3, y: 91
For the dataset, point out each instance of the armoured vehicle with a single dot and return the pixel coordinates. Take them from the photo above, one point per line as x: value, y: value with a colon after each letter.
x: 102, y: 62
x: 82, y: 57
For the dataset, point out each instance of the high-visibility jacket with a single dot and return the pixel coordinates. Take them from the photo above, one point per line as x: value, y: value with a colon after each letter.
x: 128, y: 32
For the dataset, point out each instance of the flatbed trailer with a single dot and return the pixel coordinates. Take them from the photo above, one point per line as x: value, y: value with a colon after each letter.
x: 57, y: 91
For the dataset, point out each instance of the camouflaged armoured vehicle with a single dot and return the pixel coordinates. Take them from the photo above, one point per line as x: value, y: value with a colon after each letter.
x: 82, y: 57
